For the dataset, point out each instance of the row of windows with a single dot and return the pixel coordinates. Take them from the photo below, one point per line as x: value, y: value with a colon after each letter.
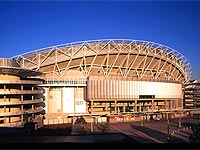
x: 65, y: 82
x: 79, y: 102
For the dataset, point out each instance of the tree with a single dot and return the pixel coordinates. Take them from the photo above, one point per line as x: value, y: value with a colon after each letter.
x: 80, y: 120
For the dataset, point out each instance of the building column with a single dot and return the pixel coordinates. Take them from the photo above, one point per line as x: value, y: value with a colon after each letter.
x: 32, y: 98
x: 110, y: 106
x: 4, y: 107
x: 135, y: 105
x: 124, y: 107
x: 62, y: 100
x: 140, y: 107
x: 176, y: 104
x: 92, y: 103
x: 106, y: 106
x: 74, y: 100
x: 165, y: 104
x: 115, y: 104
x: 152, y: 105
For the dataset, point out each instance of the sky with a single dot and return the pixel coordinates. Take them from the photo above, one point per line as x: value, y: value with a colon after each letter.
x: 31, y: 25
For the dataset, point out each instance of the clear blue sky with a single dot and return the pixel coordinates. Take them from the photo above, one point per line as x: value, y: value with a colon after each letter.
x: 30, y: 25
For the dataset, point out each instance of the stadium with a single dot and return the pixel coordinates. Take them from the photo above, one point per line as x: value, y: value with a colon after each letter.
x: 108, y: 76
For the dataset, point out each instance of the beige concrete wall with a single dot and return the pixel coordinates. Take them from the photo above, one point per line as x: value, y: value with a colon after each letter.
x: 9, y: 77
x: 100, y: 88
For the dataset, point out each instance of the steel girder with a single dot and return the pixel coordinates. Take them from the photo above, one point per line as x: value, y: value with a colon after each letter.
x: 135, y: 58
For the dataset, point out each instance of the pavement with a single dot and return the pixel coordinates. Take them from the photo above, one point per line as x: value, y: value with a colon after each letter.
x: 152, y: 131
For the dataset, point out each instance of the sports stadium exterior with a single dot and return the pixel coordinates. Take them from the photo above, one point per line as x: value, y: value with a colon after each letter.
x: 109, y: 76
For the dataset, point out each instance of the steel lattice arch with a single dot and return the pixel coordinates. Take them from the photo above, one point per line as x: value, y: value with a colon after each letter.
x: 109, y: 76
x: 124, y: 57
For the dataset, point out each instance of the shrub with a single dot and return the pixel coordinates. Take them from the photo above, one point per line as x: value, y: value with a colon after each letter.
x: 80, y: 120
x: 105, y: 127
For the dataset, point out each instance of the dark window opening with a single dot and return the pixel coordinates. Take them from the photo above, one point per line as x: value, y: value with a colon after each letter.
x: 146, y: 96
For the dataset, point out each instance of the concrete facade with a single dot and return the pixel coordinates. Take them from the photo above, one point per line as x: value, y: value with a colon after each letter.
x: 109, y: 76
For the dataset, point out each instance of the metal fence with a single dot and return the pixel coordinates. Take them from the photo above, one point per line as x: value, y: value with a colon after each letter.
x: 56, y: 121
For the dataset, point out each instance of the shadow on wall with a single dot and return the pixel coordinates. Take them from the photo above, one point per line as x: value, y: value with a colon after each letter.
x: 42, y: 104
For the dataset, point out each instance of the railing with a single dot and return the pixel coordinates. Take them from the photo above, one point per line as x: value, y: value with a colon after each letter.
x: 68, y: 81
x: 22, y: 102
x: 13, y: 124
x: 29, y: 111
x: 20, y: 82
x: 22, y: 92
x: 57, y: 121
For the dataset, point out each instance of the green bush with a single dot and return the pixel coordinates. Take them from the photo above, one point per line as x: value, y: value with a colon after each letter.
x: 80, y: 120
x: 105, y: 127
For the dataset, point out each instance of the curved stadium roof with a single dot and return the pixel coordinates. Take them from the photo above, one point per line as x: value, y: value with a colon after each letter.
x: 127, y: 57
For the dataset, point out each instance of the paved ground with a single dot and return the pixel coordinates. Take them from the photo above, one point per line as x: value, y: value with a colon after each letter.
x: 130, y: 132
x: 152, y: 131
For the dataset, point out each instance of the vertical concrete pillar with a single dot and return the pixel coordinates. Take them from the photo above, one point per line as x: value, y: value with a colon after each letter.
x: 165, y: 104
x: 115, y: 104
x: 32, y: 98
x: 62, y: 100
x: 5, y: 112
x: 22, y: 88
x: 110, y: 106
x: 140, y: 107
x: 74, y: 100
x: 106, y: 106
x: 176, y: 103
x: 92, y: 103
x: 124, y: 107
x: 152, y: 105
x: 135, y: 105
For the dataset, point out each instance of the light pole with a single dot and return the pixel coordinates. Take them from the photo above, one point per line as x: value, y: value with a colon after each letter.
x: 179, y: 122
x: 91, y: 125
x: 168, y: 130
x: 142, y: 120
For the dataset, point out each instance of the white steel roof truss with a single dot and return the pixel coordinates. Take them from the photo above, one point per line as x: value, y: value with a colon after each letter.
x: 83, y: 70
x: 136, y: 48
x: 172, y: 72
x: 167, y: 71
x: 63, y: 53
x: 103, y: 64
x: 91, y: 65
x: 114, y: 47
x: 113, y: 63
x: 123, y: 65
x: 103, y: 48
x: 143, y: 68
x: 85, y: 65
x: 100, y: 47
x: 131, y: 64
x: 48, y: 59
x: 161, y: 69
x: 66, y: 68
x: 79, y: 48
x: 29, y: 62
x: 107, y: 64
x: 147, y: 66
x: 177, y: 78
x: 92, y: 49
x: 126, y: 63
x: 139, y: 63
x: 56, y: 69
